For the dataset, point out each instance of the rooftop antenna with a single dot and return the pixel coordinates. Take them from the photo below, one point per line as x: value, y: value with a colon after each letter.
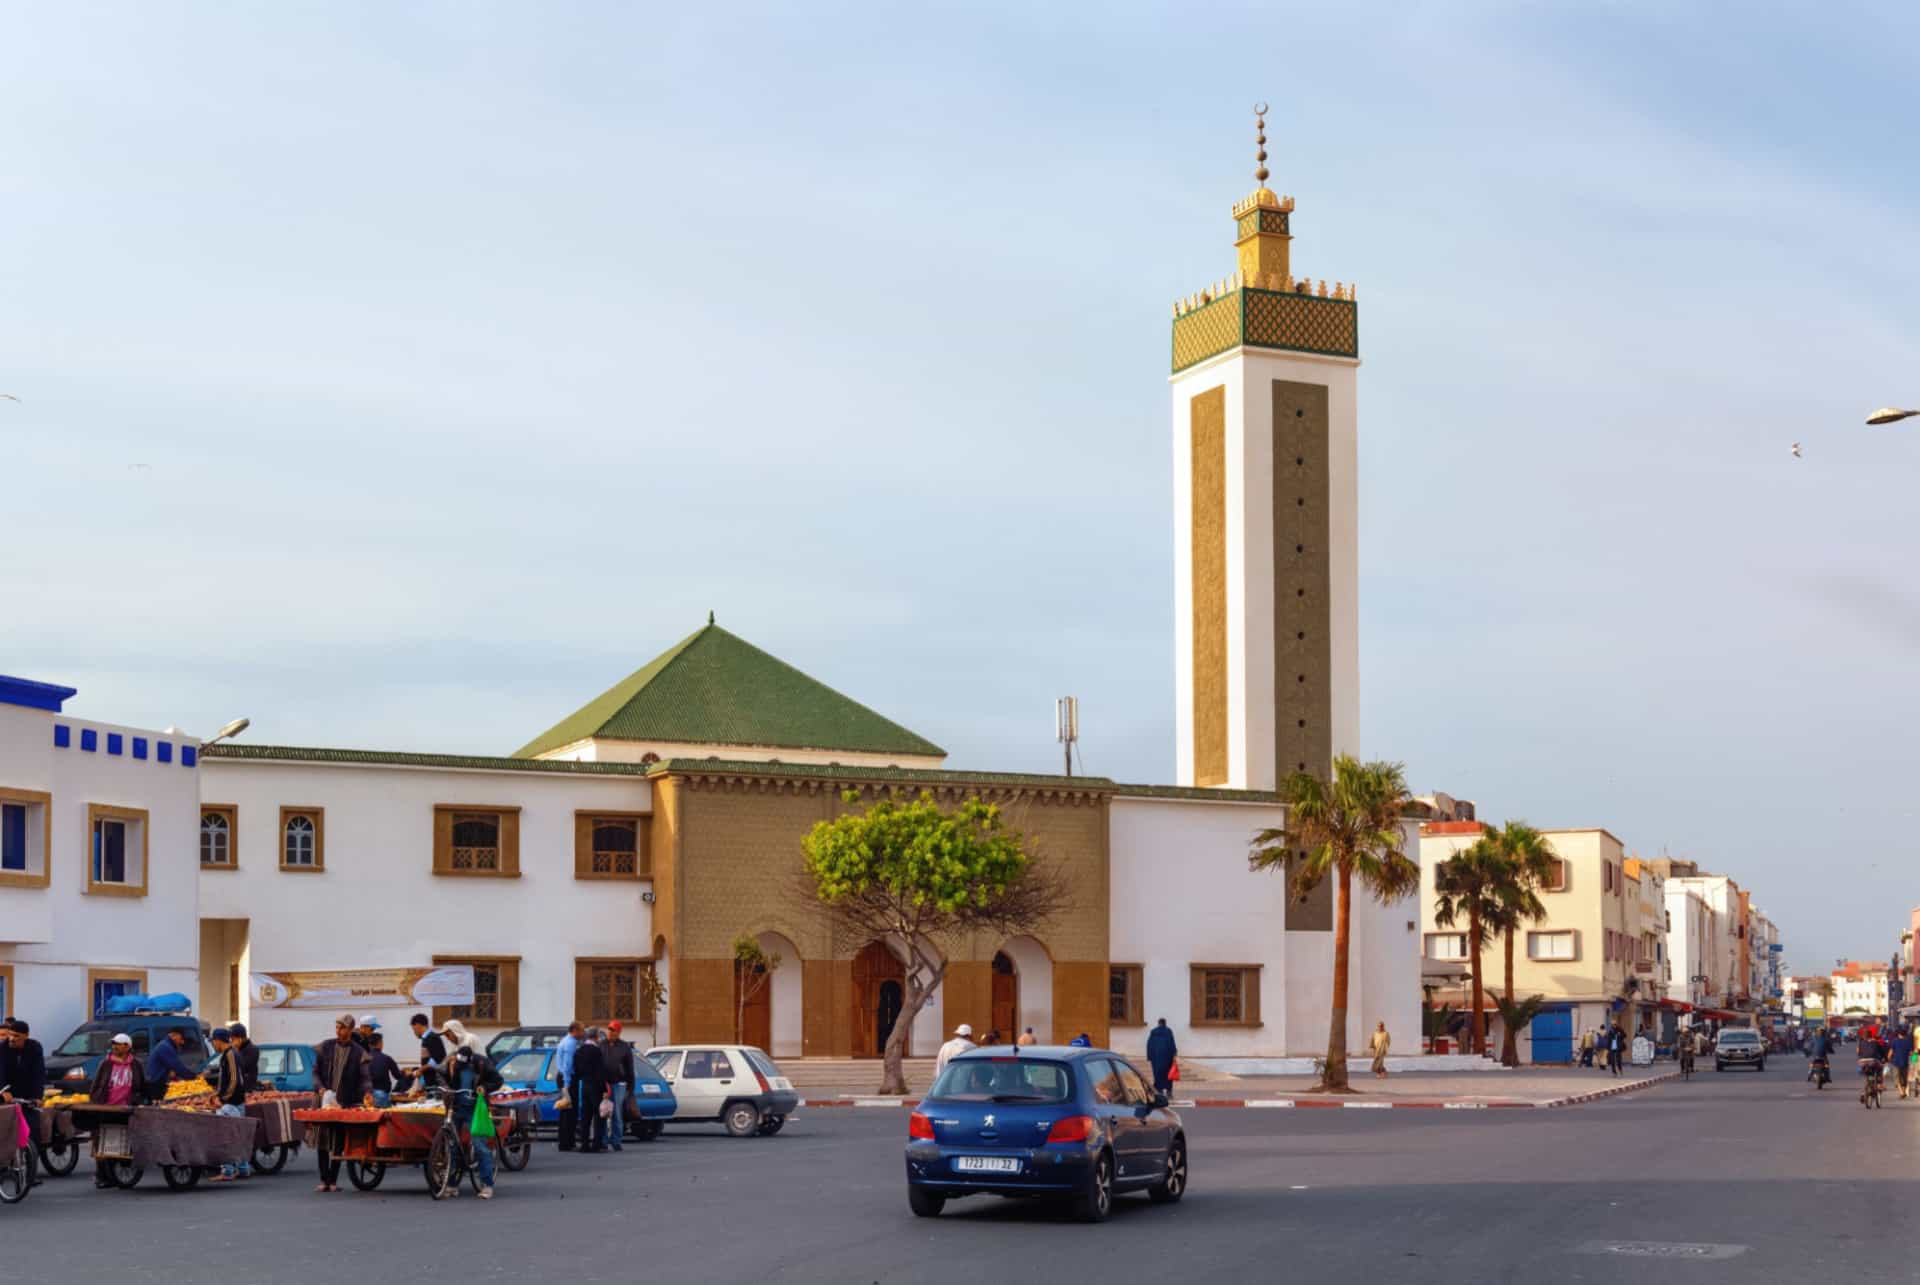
x: 1066, y: 726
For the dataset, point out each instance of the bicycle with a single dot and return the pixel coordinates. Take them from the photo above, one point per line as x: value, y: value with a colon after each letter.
x: 1870, y: 1092
x: 451, y: 1157
x: 16, y: 1179
x: 1686, y: 1062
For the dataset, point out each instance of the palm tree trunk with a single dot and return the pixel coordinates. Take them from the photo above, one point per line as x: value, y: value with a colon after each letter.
x: 1509, y: 1038
x: 1474, y: 944
x: 1335, y: 1078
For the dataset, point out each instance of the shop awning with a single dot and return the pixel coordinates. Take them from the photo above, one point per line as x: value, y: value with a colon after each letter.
x: 1676, y: 1006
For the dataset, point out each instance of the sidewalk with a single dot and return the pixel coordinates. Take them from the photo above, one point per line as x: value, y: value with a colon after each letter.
x: 1528, y: 1087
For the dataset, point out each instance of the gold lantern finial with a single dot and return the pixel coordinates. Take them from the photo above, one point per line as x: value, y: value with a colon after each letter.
x: 1260, y: 141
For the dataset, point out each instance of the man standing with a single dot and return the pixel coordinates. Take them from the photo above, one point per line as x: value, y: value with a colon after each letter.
x: 1379, y: 1045
x: 1027, y: 1039
x: 433, y: 1049
x: 962, y: 1041
x: 590, y: 1071
x: 247, y: 1053
x: 620, y: 1079
x: 1161, y: 1051
x: 1616, y: 1045
x: 563, y: 1055
x: 1902, y: 1051
x: 166, y: 1064
x: 340, y: 1068
x: 384, y: 1076
x: 230, y: 1091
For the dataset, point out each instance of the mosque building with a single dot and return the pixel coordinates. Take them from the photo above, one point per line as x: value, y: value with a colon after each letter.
x: 646, y: 831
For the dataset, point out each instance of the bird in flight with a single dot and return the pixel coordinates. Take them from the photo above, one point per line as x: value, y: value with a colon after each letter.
x: 10, y: 397
x: 1796, y: 450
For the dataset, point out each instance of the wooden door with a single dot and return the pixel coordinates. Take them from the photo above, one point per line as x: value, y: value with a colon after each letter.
x: 879, y: 988
x: 1006, y: 999
x: 756, y: 1019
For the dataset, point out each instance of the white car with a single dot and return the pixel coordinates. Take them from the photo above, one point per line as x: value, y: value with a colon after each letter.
x: 735, y: 1084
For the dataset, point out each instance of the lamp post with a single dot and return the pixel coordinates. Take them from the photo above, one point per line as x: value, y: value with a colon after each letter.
x: 1890, y: 415
x: 228, y: 732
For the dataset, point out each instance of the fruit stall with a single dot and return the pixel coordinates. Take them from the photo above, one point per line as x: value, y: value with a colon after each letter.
x: 369, y: 1140
x: 182, y: 1137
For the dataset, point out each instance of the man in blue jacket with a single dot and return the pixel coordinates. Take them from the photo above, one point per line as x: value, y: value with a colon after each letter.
x: 1161, y: 1051
x: 563, y: 1055
x: 165, y: 1064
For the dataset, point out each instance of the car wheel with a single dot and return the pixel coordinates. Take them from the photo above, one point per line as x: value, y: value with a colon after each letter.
x: 772, y: 1125
x: 1095, y: 1201
x: 365, y: 1175
x: 1174, y: 1184
x: 924, y: 1203
x: 742, y: 1119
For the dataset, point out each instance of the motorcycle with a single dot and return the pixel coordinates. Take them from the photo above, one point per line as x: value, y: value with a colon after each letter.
x: 1820, y: 1074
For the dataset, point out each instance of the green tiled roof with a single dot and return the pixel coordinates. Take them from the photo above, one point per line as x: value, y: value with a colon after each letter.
x: 857, y: 772
x: 712, y: 688
x: 402, y: 758
x: 1197, y: 793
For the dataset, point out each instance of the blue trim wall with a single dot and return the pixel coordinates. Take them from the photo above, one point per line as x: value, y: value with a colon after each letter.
x: 24, y: 691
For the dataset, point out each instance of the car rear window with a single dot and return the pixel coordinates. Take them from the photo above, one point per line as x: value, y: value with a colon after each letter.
x: 1004, y: 1079
x: 523, y: 1066
x: 762, y: 1063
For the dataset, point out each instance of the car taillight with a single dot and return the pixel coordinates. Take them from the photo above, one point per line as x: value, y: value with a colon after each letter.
x: 918, y: 1126
x: 1075, y: 1128
x: 764, y: 1086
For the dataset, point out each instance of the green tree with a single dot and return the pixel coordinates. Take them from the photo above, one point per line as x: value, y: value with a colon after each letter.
x: 1529, y: 862
x: 653, y: 994
x: 1347, y: 827
x: 753, y: 970
x: 908, y: 872
x: 1466, y: 887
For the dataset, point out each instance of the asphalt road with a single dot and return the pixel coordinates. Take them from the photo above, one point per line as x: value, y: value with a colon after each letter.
x: 1731, y: 1177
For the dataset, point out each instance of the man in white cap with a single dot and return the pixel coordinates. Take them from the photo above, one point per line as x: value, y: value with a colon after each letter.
x: 962, y: 1041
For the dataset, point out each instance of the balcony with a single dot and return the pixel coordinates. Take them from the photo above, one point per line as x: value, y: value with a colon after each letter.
x: 1644, y: 968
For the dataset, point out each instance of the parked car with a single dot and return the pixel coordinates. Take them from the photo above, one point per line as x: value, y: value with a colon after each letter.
x: 1078, y: 1124
x: 735, y: 1084
x: 285, y: 1067
x: 652, y: 1101
x: 1739, y: 1046
x: 75, y: 1058
x: 524, y: 1037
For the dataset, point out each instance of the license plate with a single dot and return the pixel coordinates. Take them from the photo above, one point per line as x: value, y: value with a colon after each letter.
x: 649, y: 1088
x: 987, y: 1164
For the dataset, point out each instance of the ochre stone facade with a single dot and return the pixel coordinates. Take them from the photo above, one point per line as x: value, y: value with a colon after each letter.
x: 727, y: 861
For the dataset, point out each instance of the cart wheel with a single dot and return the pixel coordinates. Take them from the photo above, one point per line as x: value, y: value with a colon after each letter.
x: 515, y: 1154
x: 58, y: 1158
x: 123, y: 1174
x: 180, y: 1177
x: 444, y: 1167
x: 365, y: 1175
x: 16, y: 1180
x: 271, y: 1159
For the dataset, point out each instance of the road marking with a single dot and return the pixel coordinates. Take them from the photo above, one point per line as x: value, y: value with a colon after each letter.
x: 1366, y: 1106
x: 876, y: 1102
x: 1464, y: 1106
x: 1269, y: 1102
x: 1659, y: 1249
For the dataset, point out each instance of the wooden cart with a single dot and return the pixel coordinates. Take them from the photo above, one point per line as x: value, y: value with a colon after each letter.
x: 183, y: 1145
x: 369, y: 1140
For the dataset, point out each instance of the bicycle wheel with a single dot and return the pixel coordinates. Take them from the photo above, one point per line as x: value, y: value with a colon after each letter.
x: 16, y: 1180
x: 365, y: 1175
x: 445, y: 1165
x: 58, y: 1158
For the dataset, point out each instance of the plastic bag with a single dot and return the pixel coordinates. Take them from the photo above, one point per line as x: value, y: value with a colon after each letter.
x: 329, y: 1101
x: 23, y: 1132
x: 1173, y: 1072
x: 606, y: 1108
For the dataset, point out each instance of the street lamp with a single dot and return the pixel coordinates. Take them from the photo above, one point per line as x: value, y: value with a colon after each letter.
x: 1891, y: 415
x: 231, y: 730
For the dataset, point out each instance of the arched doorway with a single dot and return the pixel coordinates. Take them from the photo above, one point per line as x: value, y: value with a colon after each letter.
x: 879, y: 993
x: 1006, y: 997
x: 1031, y: 992
x: 770, y: 1017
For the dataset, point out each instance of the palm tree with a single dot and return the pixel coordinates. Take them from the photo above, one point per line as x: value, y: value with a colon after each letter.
x: 1347, y: 826
x: 1529, y: 862
x: 1467, y: 886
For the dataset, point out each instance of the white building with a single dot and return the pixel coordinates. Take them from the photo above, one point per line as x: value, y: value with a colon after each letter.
x: 98, y: 879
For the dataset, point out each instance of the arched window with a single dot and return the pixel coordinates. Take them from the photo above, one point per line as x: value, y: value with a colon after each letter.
x: 216, y: 839
x: 299, y: 841
x: 476, y: 841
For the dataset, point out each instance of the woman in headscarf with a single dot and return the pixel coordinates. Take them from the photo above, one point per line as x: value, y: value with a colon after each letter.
x: 459, y: 1037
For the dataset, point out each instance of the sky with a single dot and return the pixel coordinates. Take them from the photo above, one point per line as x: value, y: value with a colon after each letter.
x: 401, y: 376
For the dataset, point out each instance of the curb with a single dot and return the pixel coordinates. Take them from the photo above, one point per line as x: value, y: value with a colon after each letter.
x: 1411, y: 1104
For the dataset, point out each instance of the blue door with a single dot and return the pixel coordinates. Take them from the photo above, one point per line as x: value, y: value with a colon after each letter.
x: 1553, y: 1035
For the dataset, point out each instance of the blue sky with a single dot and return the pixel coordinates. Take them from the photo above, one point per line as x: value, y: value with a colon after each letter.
x: 402, y: 376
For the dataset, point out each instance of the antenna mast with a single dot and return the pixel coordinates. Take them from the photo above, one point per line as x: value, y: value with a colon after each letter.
x: 1066, y: 726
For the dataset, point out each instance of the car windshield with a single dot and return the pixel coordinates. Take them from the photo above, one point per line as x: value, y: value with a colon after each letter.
x: 90, y: 1040
x: 1739, y: 1037
x: 523, y: 1066
x: 1003, y: 1079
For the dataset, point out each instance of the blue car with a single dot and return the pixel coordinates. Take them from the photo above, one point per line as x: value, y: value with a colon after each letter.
x: 1079, y: 1124
x: 286, y: 1067
x: 651, y: 1104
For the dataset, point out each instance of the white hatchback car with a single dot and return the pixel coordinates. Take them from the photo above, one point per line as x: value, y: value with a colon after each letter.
x: 735, y: 1084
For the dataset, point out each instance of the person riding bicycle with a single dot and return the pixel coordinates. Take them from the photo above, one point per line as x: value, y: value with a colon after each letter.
x: 1686, y: 1052
x: 470, y: 1076
x: 1818, y: 1050
x: 1873, y: 1056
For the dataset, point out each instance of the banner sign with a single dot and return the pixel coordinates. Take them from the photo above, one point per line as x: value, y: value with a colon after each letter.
x: 356, y: 988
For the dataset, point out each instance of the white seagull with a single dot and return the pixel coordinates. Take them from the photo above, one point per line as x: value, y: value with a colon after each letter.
x: 1796, y: 450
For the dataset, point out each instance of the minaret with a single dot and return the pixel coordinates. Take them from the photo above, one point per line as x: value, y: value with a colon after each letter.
x: 1265, y: 579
